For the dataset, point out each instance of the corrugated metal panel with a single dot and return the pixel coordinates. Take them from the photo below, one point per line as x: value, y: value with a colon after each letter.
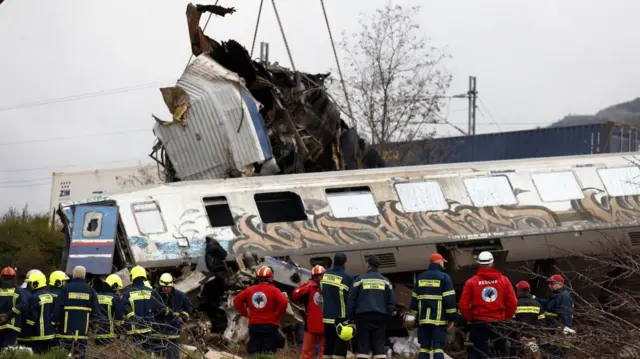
x: 224, y: 128
x: 547, y: 142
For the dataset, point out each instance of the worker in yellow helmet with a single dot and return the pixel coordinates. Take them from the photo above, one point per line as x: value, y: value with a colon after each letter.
x: 38, y: 332
x: 111, y: 315
x: 57, y: 280
x: 170, y: 325
x: 141, y: 306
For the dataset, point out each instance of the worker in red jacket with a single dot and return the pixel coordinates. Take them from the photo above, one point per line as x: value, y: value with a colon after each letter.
x: 310, y: 294
x: 264, y: 305
x: 487, y: 300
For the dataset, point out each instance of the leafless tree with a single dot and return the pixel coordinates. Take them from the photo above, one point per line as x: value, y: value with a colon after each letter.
x: 395, y: 78
x: 144, y: 175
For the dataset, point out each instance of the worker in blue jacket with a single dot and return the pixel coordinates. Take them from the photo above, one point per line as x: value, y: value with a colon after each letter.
x: 13, y: 303
x: 111, y: 317
x: 371, y: 304
x: 142, y: 305
x: 37, y: 331
x: 75, y: 306
x: 434, y: 304
x: 334, y: 287
x: 558, y: 314
x: 169, y: 325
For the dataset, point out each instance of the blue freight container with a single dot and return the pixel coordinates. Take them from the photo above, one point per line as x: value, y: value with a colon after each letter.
x: 605, y: 137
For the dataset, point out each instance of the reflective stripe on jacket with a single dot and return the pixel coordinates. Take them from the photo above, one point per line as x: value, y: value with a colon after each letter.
x: 75, y: 305
x: 180, y: 307
x: 335, y: 286
x: 13, y: 303
x: 37, y: 317
x: 141, y: 306
x: 111, y: 316
x: 434, y: 299
x: 559, y: 309
x: 371, y: 293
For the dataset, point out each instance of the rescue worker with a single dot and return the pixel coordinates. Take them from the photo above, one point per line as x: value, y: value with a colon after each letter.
x: 558, y: 314
x: 487, y: 301
x: 57, y: 280
x: 169, y: 325
x: 334, y: 287
x: 310, y: 294
x: 111, y: 314
x: 264, y: 304
x: 38, y: 333
x: 528, y: 318
x: 371, y: 304
x: 13, y: 303
x: 434, y: 303
x: 141, y: 306
x: 75, y: 306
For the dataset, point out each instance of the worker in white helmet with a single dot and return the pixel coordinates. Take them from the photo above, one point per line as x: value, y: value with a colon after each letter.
x: 487, y: 299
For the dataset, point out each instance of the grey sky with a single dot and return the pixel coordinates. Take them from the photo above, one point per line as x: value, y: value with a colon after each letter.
x: 536, y: 61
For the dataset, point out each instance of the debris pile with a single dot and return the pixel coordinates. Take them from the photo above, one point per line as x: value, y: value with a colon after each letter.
x: 233, y: 116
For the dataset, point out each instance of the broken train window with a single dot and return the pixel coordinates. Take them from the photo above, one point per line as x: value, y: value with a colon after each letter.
x: 218, y: 211
x: 148, y: 218
x: 557, y: 186
x: 350, y: 202
x: 490, y: 191
x: 623, y: 181
x: 421, y: 196
x: 92, y: 225
x: 276, y: 207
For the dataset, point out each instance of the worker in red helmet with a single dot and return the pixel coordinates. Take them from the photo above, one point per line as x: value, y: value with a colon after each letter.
x: 14, y: 301
x: 528, y: 319
x: 264, y: 304
x: 558, y: 315
x: 310, y: 295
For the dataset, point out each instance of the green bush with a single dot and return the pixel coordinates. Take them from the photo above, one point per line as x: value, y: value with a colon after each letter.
x: 28, y: 241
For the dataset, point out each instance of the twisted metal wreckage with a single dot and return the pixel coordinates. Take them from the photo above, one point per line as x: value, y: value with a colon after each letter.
x: 232, y: 117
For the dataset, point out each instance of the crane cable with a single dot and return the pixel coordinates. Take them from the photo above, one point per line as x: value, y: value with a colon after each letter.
x: 255, y: 32
x: 335, y: 54
x: 284, y: 37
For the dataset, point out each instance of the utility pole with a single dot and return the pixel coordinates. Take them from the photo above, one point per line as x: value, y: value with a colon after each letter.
x: 264, y: 53
x: 472, y: 94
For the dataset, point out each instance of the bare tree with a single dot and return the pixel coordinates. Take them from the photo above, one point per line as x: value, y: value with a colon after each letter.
x: 394, y: 77
x: 144, y: 175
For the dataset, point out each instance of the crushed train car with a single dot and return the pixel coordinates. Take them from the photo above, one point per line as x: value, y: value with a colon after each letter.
x: 233, y: 117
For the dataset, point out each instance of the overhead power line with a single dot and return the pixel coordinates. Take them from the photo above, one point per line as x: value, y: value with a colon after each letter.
x: 50, y: 139
x: 85, y: 95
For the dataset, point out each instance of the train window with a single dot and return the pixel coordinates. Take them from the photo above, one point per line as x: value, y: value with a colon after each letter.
x: 218, y: 211
x: 148, y: 218
x: 557, y: 186
x: 350, y: 202
x: 421, y: 196
x: 276, y: 207
x: 621, y: 181
x: 490, y: 191
x: 92, y: 225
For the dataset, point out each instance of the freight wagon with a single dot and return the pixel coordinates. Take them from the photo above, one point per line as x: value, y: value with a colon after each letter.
x: 605, y: 137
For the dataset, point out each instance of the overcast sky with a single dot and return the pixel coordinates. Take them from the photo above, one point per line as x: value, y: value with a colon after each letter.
x: 535, y: 61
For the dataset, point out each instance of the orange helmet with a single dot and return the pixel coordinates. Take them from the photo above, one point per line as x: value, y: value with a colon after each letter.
x: 265, y: 272
x: 8, y: 272
x: 317, y: 270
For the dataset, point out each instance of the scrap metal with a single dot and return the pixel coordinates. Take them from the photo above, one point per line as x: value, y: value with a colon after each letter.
x: 302, y: 124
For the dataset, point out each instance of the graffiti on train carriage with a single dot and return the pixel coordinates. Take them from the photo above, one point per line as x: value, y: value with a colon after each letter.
x: 458, y: 222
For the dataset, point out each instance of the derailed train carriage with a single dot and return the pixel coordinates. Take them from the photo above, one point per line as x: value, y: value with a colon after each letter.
x: 523, y: 211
